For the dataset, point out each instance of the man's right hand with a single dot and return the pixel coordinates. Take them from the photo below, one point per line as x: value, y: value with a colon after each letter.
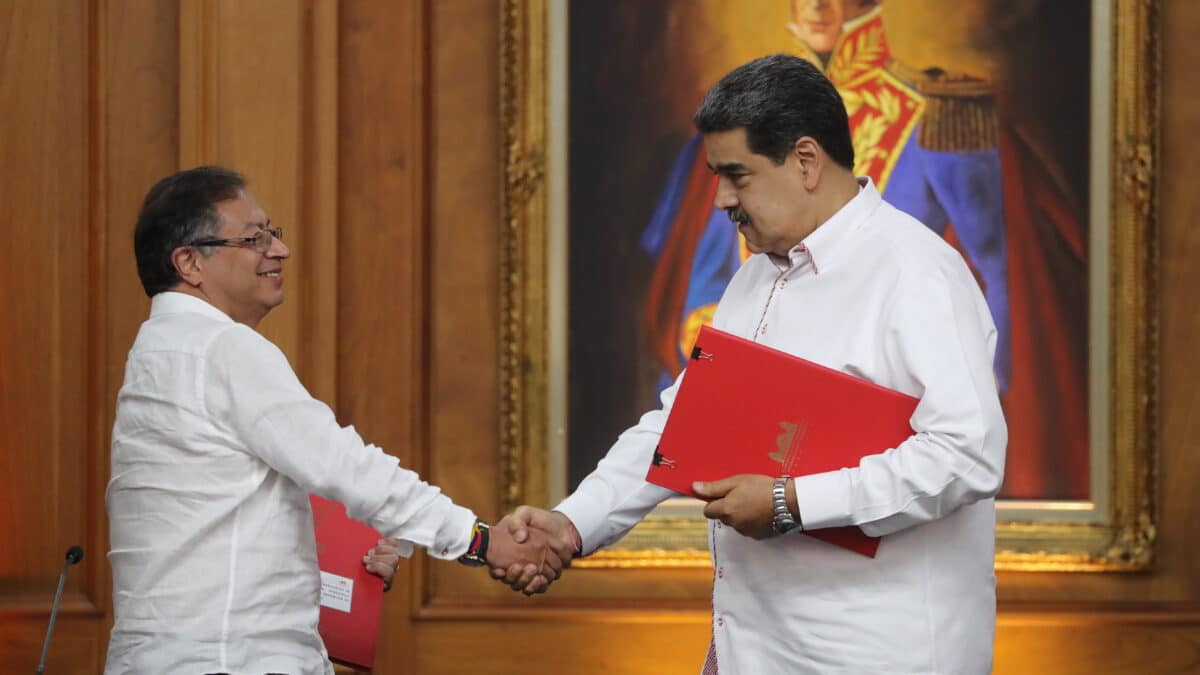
x: 528, y: 523
x: 531, y: 557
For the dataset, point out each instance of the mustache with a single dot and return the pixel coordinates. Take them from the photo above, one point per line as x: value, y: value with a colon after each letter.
x: 738, y: 215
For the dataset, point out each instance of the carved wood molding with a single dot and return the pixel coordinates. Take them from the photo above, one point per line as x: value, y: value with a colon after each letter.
x: 522, y: 253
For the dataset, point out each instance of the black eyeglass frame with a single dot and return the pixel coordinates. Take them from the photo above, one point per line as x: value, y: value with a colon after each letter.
x: 258, y: 241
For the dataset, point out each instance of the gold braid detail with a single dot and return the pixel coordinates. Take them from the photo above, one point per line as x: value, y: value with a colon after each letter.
x: 960, y: 112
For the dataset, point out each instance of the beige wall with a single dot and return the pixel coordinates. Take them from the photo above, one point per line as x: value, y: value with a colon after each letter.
x: 369, y: 130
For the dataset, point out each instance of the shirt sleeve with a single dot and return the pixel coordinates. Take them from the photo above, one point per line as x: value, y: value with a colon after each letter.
x: 615, y: 496
x: 939, y: 340
x: 251, y: 390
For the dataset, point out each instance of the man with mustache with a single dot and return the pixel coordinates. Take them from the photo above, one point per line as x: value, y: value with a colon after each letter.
x: 695, y: 254
x: 216, y: 447
x: 842, y: 278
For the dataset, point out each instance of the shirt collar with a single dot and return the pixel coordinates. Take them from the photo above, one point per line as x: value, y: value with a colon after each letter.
x: 173, y: 302
x: 820, y: 247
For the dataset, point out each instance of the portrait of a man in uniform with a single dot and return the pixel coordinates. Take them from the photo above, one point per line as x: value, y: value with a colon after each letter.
x: 971, y: 116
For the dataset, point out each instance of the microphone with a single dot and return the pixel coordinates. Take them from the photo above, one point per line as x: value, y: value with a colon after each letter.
x: 74, y: 555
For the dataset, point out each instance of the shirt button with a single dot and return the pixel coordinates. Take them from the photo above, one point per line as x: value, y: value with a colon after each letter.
x: 720, y: 622
x: 720, y: 572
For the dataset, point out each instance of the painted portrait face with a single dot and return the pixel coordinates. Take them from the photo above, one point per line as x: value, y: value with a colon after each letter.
x: 818, y: 23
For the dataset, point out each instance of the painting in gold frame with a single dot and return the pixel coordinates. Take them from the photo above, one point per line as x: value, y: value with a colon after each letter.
x: 1109, y: 528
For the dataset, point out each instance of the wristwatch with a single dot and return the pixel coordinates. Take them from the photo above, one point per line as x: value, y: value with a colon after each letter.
x: 476, y: 555
x: 783, y: 521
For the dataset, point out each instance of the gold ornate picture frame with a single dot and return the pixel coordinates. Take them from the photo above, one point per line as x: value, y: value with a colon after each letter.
x: 1115, y: 531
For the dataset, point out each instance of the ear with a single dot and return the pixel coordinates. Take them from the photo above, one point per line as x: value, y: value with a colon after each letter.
x: 810, y: 161
x: 189, y: 265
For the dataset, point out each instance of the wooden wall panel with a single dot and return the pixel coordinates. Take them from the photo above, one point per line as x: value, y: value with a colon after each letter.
x: 645, y: 644
x: 78, y: 645
x: 43, y: 160
x: 465, y: 197
x: 1098, y: 643
x: 137, y: 143
x: 43, y: 347
x: 1179, y: 467
x: 383, y: 248
x: 464, y: 318
x: 258, y: 94
x: 88, y: 92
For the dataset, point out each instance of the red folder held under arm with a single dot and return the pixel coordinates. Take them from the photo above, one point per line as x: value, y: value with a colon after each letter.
x: 746, y: 408
x: 351, y: 597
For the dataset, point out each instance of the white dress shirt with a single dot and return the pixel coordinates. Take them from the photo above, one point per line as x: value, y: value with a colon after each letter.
x: 216, y: 447
x: 875, y: 294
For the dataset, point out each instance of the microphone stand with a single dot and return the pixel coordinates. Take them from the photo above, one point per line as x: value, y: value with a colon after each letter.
x: 74, y: 555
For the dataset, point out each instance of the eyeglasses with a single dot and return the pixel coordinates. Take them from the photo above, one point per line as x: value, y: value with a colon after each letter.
x: 260, y: 241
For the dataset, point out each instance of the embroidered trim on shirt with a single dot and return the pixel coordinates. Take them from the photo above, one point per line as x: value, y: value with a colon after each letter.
x: 758, y: 330
x: 807, y: 251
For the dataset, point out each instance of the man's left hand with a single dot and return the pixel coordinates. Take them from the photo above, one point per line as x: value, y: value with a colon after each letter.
x: 743, y: 502
x: 382, y: 561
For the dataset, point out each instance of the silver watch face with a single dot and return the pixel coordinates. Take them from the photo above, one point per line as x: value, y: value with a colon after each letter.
x: 782, y: 524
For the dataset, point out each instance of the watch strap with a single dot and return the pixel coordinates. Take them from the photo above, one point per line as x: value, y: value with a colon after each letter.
x: 783, y: 520
x: 477, y: 550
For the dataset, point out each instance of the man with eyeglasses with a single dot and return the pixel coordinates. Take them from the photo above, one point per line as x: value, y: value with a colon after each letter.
x: 217, y: 445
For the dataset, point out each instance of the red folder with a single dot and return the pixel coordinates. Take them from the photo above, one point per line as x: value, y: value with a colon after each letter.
x: 746, y: 408
x: 351, y: 597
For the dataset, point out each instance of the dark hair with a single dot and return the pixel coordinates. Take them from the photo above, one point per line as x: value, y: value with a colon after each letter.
x: 779, y: 99
x: 178, y: 210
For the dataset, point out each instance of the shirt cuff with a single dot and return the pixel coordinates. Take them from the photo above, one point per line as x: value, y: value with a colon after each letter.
x: 588, y: 517
x: 454, y: 536
x: 824, y: 499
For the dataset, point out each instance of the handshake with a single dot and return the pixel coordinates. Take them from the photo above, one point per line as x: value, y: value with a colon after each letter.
x: 530, y: 548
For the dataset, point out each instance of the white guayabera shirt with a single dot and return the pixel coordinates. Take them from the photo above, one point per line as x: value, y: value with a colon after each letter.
x: 216, y: 447
x: 873, y: 293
